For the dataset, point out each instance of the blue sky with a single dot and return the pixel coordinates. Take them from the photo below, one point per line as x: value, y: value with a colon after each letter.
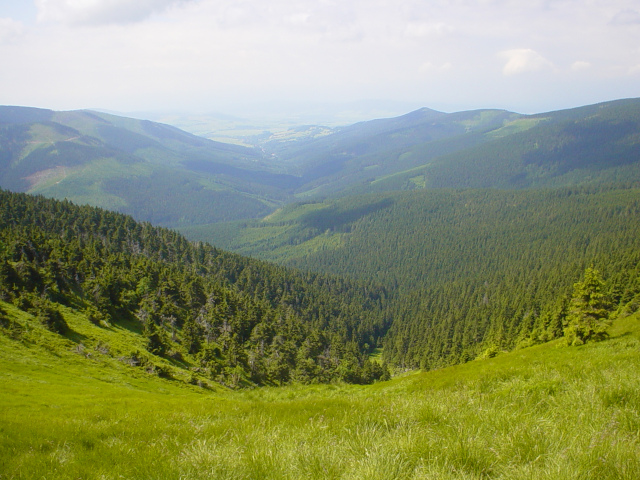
x: 229, y: 56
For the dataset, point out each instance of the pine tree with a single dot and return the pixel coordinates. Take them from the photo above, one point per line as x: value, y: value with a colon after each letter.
x: 588, y: 310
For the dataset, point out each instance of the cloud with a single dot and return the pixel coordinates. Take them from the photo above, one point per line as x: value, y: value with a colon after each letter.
x: 414, y: 29
x: 100, y: 12
x: 523, y: 60
x: 626, y: 17
x: 580, y: 65
x: 10, y: 30
x: 149, y: 54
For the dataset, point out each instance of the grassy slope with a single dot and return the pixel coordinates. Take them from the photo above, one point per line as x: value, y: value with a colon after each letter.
x: 544, y: 412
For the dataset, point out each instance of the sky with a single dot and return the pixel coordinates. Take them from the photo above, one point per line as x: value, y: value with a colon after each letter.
x: 234, y: 56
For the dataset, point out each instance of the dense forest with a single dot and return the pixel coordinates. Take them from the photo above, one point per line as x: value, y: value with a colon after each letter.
x: 457, y: 275
x: 429, y: 263
x: 472, y: 270
x: 227, y: 318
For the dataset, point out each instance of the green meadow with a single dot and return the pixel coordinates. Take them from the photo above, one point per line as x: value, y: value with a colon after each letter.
x: 71, y: 411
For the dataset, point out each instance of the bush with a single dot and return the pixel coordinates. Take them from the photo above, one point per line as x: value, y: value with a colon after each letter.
x: 53, y: 320
x: 49, y: 316
x: 97, y: 317
x: 490, y: 352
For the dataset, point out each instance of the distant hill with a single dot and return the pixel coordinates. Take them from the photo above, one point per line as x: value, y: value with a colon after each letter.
x: 589, y: 145
x: 475, y: 149
x: 161, y: 174
x: 153, y: 171
x: 362, y: 153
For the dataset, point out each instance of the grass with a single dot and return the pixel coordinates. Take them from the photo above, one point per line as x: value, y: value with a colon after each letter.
x: 84, y: 184
x: 546, y: 412
x: 279, y: 236
x: 419, y: 168
x: 516, y: 126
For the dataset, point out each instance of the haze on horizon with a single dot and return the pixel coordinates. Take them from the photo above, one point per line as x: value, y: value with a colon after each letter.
x: 282, y: 55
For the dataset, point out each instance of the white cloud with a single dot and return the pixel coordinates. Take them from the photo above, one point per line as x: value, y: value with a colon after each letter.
x: 523, y: 60
x: 183, y: 53
x: 299, y: 18
x: 10, y: 30
x: 100, y: 12
x: 580, y: 65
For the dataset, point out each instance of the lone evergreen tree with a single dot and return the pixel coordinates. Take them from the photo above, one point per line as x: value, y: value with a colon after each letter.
x: 587, y: 319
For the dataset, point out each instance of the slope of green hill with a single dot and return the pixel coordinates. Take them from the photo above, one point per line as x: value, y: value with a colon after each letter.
x: 100, y: 281
x: 475, y: 149
x: 549, y: 411
x: 152, y: 171
x: 596, y: 144
x: 367, y: 151
x: 161, y: 174
x: 475, y: 269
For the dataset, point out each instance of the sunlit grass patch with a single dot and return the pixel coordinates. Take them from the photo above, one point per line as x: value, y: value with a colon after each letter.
x: 549, y: 412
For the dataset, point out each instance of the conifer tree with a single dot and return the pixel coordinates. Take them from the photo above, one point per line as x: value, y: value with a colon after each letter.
x: 588, y: 310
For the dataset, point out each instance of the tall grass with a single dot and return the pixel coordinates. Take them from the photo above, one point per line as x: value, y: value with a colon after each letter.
x: 547, y: 412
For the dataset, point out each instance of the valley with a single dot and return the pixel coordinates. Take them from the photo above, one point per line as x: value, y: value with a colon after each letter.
x: 435, y: 295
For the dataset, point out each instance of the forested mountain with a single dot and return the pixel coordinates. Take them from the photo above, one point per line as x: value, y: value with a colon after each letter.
x: 193, y: 308
x: 160, y: 174
x: 149, y: 170
x: 475, y: 149
x: 365, y: 152
x: 596, y: 144
x: 475, y: 269
x: 440, y: 277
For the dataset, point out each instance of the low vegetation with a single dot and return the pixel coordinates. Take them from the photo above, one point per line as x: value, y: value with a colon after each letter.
x: 549, y: 412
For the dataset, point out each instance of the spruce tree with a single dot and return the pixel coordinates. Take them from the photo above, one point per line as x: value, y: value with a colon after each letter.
x: 588, y: 310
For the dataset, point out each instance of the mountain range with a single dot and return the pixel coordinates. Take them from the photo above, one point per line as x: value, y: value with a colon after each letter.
x: 160, y: 174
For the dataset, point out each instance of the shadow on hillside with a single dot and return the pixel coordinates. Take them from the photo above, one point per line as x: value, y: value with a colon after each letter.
x: 334, y: 219
x: 75, y: 337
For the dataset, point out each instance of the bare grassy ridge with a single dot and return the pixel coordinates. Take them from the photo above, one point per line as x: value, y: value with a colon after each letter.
x: 546, y: 412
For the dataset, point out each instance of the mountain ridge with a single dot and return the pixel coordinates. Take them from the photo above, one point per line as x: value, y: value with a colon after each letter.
x: 161, y: 174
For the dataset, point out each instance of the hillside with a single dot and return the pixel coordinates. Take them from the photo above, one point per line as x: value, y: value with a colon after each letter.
x: 161, y: 174
x: 475, y: 149
x: 152, y: 171
x: 595, y: 144
x: 126, y: 351
x: 91, y: 279
x: 365, y: 152
x: 550, y: 411
x: 474, y: 269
